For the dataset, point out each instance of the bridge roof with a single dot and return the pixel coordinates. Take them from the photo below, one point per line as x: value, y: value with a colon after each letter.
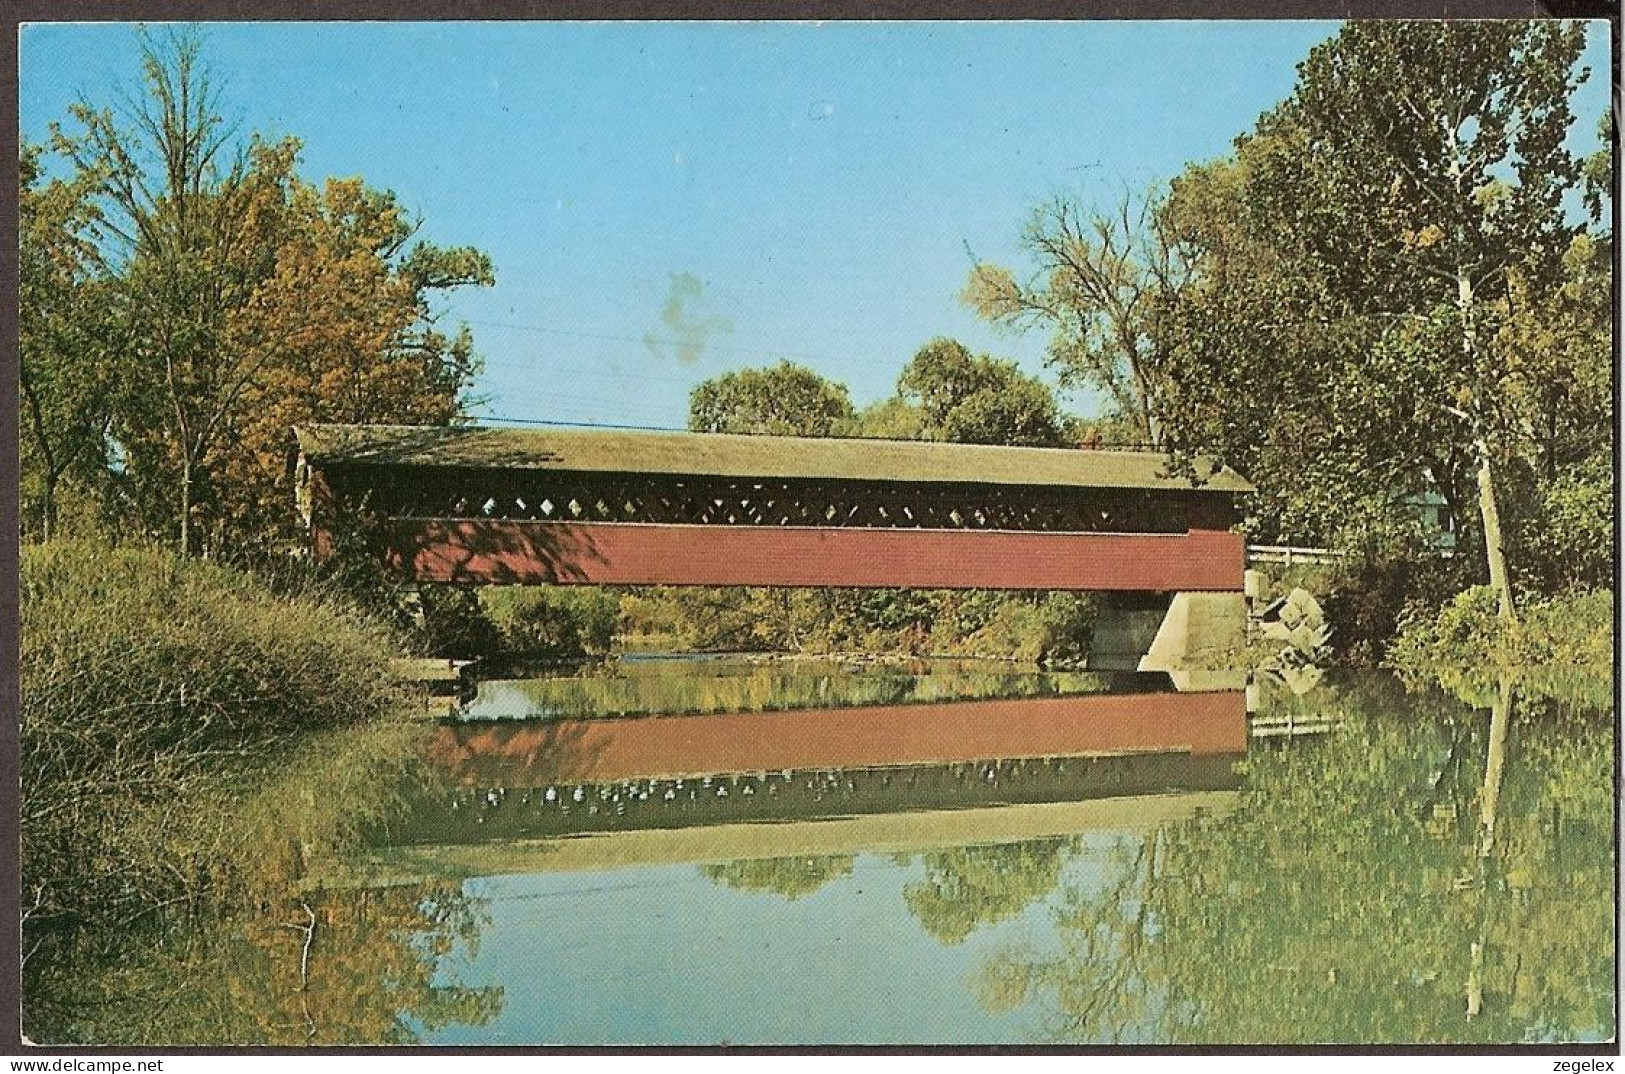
x: 771, y: 457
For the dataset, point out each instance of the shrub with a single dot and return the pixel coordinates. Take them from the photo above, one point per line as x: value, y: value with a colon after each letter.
x: 540, y: 621
x: 1369, y: 594
x: 1466, y: 630
x: 1052, y: 628
x: 452, y: 622
x: 1570, y: 629
x: 1575, y: 628
x: 1567, y: 542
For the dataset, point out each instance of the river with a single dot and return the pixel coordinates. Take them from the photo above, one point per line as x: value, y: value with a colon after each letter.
x: 732, y: 850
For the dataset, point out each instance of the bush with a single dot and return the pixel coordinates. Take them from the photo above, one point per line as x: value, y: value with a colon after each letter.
x: 541, y: 621
x: 1570, y: 629
x: 1052, y: 628
x: 1467, y: 630
x: 151, y: 685
x: 452, y: 622
x: 1368, y: 595
x: 1567, y: 543
x: 1574, y: 628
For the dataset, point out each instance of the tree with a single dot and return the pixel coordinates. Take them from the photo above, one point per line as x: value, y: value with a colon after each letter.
x: 1097, y: 288
x: 1597, y: 170
x: 1425, y: 169
x: 781, y: 400
x: 367, y: 349
x: 891, y: 418
x: 173, y: 204
x: 66, y: 340
x: 1555, y: 346
x: 977, y: 399
x: 244, y: 294
x: 1355, y: 266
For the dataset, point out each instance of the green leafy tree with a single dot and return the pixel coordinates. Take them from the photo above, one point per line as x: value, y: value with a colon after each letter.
x: 67, y: 354
x: 782, y: 400
x: 1597, y: 170
x: 1556, y: 346
x: 977, y: 399
x: 1415, y: 174
x: 1252, y: 345
x: 891, y: 418
x: 174, y: 198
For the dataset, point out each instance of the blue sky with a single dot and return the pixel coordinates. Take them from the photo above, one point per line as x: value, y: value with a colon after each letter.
x: 664, y: 202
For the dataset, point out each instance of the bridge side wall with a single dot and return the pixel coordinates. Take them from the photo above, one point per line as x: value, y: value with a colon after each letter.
x: 572, y: 553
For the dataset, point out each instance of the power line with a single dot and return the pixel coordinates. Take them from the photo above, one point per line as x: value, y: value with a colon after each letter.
x: 1122, y: 446
x: 617, y: 410
x: 582, y: 424
x: 566, y: 372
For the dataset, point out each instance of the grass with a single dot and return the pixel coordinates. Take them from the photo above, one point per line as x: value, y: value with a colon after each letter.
x: 157, y: 695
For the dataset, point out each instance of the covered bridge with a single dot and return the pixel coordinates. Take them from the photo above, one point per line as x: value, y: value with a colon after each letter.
x: 531, y: 506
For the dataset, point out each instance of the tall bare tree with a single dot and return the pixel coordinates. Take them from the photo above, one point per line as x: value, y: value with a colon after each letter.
x: 1097, y: 287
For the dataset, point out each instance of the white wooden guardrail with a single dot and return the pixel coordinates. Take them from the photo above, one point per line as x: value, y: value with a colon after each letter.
x: 1290, y: 554
x: 1289, y: 725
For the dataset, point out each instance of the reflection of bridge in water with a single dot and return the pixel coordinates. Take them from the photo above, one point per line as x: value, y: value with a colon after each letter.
x: 666, y: 747
x: 896, y: 832
x: 592, y: 793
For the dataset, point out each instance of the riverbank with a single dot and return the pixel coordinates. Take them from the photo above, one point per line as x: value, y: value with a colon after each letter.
x: 162, y: 700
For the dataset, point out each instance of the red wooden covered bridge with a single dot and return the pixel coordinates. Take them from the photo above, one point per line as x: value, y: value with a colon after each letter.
x: 521, y: 506
x: 489, y: 506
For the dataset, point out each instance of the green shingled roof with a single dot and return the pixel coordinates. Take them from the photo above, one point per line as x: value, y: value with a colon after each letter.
x: 772, y: 457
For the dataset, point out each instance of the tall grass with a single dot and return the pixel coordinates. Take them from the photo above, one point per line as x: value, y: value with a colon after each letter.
x: 156, y: 692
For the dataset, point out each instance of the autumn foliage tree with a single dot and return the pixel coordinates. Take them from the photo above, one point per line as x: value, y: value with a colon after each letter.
x: 367, y: 350
x: 245, y: 299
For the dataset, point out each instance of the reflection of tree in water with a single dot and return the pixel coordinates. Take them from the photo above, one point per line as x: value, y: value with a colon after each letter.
x: 356, y: 967
x: 258, y: 957
x: 1357, y: 895
x: 967, y: 888
x: 964, y: 888
x: 790, y: 877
